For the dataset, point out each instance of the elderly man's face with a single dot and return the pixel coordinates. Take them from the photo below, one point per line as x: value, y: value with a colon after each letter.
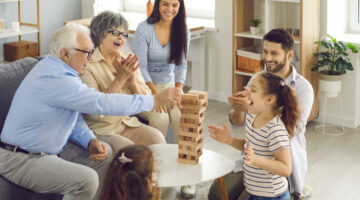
x: 79, y: 59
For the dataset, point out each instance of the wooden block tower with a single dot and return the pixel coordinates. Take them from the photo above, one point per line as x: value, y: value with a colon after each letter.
x: 191, y: 131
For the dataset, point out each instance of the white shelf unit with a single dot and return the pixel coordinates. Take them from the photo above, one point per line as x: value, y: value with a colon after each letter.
x: 3, y: 1
x: 25, y: 28
x: 259, y: 36
x: 244, y: 73
x: 23, y: 31
x: 275, y: 14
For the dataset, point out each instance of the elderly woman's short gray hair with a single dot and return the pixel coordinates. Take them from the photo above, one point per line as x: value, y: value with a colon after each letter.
x: 104, y: 22
x: 66, y: 38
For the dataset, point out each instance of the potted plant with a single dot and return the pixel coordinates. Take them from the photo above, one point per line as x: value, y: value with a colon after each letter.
x: 333, y: 62
x: 255, y: 29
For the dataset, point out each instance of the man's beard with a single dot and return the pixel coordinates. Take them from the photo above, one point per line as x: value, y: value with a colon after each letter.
x: 278, y: 67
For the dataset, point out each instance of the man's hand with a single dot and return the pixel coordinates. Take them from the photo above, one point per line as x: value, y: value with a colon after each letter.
x: 168, y: 96
x: 220, y: 134
x: 161, y: 109
x: 97, y: 149
x: 125, y: 68
x: 239, y: 101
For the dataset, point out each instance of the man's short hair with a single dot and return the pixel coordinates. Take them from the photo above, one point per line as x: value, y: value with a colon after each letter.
x: 105, y: 21
x: 66, y: 38
x: 282, y: 37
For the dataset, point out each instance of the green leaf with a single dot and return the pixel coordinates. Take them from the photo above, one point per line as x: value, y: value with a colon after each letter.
x: 353, y: 48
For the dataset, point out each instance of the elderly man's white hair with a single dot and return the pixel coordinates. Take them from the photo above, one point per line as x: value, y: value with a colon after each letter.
x: 65, y: 37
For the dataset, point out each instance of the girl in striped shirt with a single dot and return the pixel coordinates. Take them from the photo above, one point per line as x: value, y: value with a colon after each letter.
x: 270, y: 122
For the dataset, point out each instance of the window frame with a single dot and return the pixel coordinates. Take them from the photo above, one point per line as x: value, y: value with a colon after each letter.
x: 354, y: 16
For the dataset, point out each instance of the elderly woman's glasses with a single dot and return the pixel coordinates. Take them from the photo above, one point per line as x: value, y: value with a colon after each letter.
x: 118, y: 33
x: 89, y: 53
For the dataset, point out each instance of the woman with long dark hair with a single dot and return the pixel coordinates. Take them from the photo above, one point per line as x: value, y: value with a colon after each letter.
x: 161, y: 43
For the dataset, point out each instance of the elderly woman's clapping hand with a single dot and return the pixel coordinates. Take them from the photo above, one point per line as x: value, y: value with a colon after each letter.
x: 126, y: 67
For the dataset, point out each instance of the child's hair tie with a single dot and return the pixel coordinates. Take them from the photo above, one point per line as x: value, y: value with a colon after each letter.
x: 282, y: 83
x: 123, y: 159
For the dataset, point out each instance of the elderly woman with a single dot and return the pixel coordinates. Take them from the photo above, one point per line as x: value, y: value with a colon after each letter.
x: 114, y: 71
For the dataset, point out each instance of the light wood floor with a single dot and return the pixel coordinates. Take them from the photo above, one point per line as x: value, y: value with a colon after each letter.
x: 333, y: 161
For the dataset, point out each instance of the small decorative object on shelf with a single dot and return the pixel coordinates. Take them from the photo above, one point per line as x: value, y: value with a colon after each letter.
x: 2, y: 25
x: 15, y: 26
x: 149, y: 7
x: 255, y: 29
x: 193, y: 104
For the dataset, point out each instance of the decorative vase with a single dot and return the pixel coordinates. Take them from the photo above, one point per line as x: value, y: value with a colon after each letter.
x: 149, y: 7
x: 330, y: 85
x: 255, y: 30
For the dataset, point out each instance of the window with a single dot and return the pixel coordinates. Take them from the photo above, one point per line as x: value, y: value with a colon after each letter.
x: 354, y: 16
x: 194, y: 8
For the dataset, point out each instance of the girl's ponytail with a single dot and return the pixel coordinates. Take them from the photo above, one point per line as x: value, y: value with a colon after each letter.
x: 136, y: 187
x: 286, y: 100
x: 290, y: 110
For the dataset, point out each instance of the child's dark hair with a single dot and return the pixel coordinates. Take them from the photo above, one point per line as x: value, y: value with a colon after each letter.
x: 286, y: 100
x: 280, y: 36
x: 130, y: 175
x: 178, y: 34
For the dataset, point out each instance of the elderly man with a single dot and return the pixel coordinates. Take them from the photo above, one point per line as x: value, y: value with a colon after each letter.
x: 45, y: 143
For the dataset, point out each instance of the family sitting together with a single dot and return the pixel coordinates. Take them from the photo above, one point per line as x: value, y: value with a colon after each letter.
x: 73, y: 126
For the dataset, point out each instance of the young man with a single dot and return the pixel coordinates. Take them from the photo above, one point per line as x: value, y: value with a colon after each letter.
x: 45, y: 143
x: 277, y: 54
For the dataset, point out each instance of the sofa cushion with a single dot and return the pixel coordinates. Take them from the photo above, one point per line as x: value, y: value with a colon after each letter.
x: 11, y: 75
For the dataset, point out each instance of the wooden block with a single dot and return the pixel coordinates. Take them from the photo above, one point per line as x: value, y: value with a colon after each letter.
x: 190, y: 129
x: 196, y: 127
x: 191, y: 134
x: 201, y: 94
x: 192, y: 121
x: 191, y: 107
x: 192, y: 116
x: 187, y: 143
x: 191, y: 162
x: 197, y: 152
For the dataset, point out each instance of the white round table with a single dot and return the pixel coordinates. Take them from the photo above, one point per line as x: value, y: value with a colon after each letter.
x: 170, y: 173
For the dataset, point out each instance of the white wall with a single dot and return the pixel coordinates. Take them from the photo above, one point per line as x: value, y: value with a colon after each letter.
x: 219, y: 53
x: 336, y: 25
x: 53, y: 13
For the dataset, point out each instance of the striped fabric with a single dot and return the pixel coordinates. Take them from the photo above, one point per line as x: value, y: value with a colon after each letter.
x: 264, y: 142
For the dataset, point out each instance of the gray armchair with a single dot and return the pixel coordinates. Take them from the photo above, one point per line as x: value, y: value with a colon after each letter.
x: 11, y: 76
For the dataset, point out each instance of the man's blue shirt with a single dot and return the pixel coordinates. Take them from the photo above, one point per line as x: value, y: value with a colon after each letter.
x: 45, y: 111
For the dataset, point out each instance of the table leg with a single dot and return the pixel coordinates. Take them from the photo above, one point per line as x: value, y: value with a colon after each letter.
x: 224, y: 195
x: 156, y: 193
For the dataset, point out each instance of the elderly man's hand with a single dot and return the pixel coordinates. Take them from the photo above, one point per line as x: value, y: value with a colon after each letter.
x: 168, y: 96
x: 239, y: 101
x: 126, y: 67
x: 97, y: 149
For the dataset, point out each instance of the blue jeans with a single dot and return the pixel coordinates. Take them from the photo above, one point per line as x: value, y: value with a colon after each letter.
x: 283, y: 196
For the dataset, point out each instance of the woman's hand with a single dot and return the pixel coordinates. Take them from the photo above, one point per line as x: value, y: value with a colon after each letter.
x: 220, y: 134
x: 125, y: 68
